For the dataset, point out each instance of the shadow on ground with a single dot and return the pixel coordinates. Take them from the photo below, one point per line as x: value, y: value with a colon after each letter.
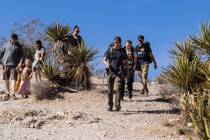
x: 171, y: 111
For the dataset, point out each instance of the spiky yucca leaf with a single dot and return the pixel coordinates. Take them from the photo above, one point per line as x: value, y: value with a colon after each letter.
x: 79, y: 65
x: 203, y: 41
x: 182, y: 50
x: 184, y: 73
x: 57, y: 32
x: 199, y: 114
x: 51, y: 71
x: 58, y: 36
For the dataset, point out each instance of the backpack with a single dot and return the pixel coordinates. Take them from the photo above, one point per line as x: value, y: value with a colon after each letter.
x: 111, y: 50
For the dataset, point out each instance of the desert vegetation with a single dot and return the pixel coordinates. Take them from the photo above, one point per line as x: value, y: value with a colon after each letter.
x: 190, y: 73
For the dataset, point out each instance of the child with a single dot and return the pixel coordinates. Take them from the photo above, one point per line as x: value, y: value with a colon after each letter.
x: 19, y: 70
x: 25, y: 79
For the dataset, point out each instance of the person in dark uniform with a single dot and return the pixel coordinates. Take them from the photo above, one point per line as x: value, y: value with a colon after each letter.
x: 114, y: 60
x: 129, y: 50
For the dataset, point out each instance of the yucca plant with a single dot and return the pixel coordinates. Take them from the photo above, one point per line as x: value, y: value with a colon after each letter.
x: 57, y: 32
x: 58, y: 36
x: 52, y: 72
x: 184, y: 72
x: 192, y: 73
x: 200, y: 114
x: 79, y: 65
x: 202, y: 42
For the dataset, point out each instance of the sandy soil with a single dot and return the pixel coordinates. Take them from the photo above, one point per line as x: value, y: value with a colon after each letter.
x: 84, y: 116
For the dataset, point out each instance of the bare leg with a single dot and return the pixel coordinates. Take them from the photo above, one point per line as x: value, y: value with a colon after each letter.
x: 13, y: 87
x: 7, y: 85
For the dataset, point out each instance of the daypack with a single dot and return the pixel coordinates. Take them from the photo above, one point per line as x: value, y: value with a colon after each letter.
x: 111, y: 51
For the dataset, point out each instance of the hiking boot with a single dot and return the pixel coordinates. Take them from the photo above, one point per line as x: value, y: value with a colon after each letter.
x: 109, y: 109
x: 5, y: 97
x: 142, y: 92
x: 118, y: 108
x: 122, y: 98
x: 146, y: 92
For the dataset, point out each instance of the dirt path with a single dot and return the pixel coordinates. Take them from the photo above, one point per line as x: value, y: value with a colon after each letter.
x: 83, y: 116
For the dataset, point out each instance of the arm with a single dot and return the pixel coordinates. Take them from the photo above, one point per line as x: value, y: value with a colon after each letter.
x: 2, y: 51
x: 126, y: 66
x: 105, y: 61
x: 42, y: 55
x: 135, y: 59
x: 21, y: 55
x: 153, y: 60
x: 30, y: 76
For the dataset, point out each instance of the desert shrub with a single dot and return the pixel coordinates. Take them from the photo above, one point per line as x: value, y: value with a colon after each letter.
x: 191, y: 73
x: 170, y: 94
x: 45, y: 91
x: 160, y: 80
x: 75, y: 62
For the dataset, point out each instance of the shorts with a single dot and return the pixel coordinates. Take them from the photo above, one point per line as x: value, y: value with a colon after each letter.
x: 9, y: 73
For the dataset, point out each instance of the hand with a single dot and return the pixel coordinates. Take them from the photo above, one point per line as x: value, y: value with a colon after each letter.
x: 19, y: 65
x: 155, y: 66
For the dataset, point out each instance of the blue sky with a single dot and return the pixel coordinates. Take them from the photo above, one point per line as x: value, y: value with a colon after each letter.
x: 161, y: 21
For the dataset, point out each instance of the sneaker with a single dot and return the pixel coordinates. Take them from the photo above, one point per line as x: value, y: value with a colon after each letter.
x: 109, y: 109
x: 146, y: 92
x: 5, y: 97
x: 118, y: 108
x: 14, y: 97
x: 122, y: 98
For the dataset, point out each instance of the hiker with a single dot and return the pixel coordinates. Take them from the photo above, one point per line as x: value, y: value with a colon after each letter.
x: 12, y: 58
x: 129, y: 50
x: 143, y: 57
x: 38, y: 60
x: 75, y: 39
x: 26, y: 76
x: 114, y: 60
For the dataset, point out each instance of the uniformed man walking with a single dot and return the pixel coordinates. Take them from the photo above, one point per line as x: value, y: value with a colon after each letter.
x: 114, y: 60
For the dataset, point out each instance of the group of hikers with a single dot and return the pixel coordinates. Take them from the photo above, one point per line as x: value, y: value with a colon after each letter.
x: 121, y: 64
x: 18, y: 70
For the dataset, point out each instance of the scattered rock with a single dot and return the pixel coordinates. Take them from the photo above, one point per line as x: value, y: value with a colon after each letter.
x: 33, y: 123
x: 95, y: 120
x: 79, y: 115
x: 55, y: 117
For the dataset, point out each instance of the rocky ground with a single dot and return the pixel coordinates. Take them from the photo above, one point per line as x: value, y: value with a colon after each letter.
x: 84, y: 116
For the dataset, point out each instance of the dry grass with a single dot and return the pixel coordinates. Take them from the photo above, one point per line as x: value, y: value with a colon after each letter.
x: 170, y: 94
x: 44, y: 90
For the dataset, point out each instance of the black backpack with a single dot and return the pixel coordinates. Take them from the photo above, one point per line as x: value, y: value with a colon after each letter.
x: 111, y: 50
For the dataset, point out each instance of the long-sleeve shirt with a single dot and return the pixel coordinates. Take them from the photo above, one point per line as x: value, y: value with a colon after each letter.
x: 12, y: 54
